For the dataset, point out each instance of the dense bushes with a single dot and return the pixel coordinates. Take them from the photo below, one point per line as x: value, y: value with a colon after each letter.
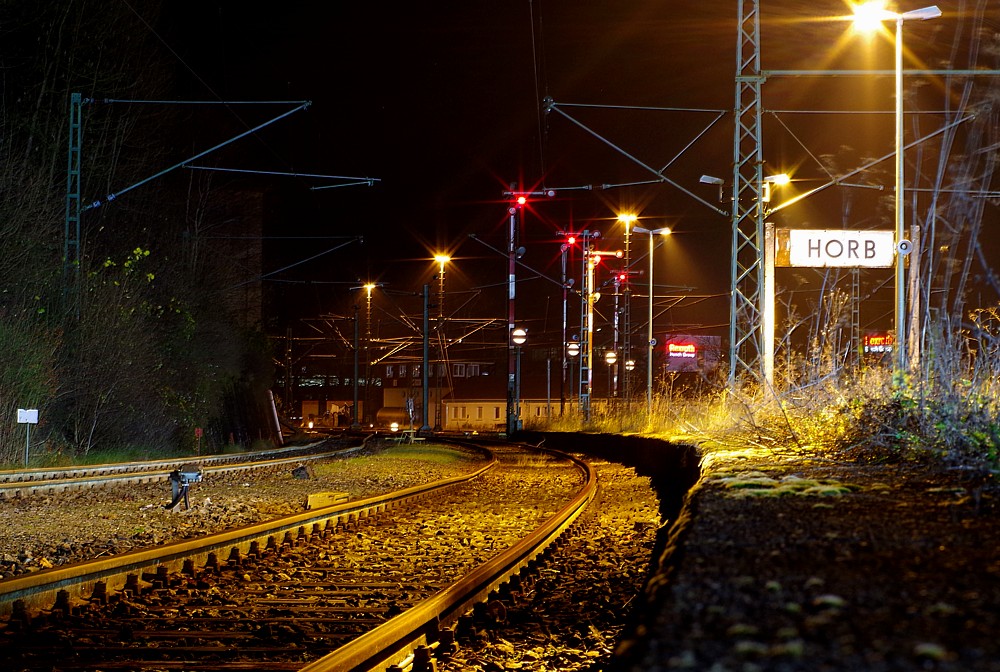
x: 134, y: 341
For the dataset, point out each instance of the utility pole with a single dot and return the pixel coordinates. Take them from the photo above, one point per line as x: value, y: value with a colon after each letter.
x: 747, y: 272
x: 563, y: 344
x: 515, y: 208
x: 357, y: 331
x: 442, y: 260
x: 425, y: 427
x: 587, y: 325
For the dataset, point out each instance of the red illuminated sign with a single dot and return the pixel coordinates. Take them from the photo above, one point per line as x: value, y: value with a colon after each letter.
x: 878, y: 343
x: 691, y: 352
x: 682, y: 350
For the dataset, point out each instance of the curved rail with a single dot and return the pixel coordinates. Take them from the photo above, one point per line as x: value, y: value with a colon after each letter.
x: 394, y: 642
x: 63, y: 585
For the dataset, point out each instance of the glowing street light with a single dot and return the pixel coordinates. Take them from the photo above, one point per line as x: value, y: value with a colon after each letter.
x: 870, y: 16
x: 572, y: 352
x: 441, y: 260
x: 519, y: 336
x: 611, y: 358
x: 368, y: 287
x: 650, y: 341
x: 767, y: 318
x: 629, y: 220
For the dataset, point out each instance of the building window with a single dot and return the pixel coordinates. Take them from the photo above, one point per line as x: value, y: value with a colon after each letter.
x: 496, y: 412
x: 388, y: 371
x: 471, y: 370
x: 402, y: 370
x: 458, y: 370
x: 479, y: 412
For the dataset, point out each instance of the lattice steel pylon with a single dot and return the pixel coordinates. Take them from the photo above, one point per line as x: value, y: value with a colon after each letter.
x: 747, y: 213
x: 71, y: 234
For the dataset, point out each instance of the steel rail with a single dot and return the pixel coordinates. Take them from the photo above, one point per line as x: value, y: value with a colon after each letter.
x: 394, y: 642
x: 57, y: 473
x: 76, y: 583
x: 148, y: 472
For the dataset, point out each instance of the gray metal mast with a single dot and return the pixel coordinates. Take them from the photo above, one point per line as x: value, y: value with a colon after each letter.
x: 747, y: 215
x: 71, y: 236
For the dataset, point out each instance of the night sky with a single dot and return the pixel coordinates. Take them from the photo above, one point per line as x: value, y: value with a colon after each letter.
x: 441, y: 102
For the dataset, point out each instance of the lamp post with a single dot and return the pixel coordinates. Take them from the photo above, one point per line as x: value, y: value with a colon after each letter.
x: 354, y: 408
x: 441, y: 260
x: 566, y: 284
x: 572, y: 351
x: 519, y: 336
x: 868, y: 17
x: 368, y: 287
x: 767, y: 313
x: 424, y: 380
x: 611, y: 358
x: 650, y: 341
x: 629, y: 220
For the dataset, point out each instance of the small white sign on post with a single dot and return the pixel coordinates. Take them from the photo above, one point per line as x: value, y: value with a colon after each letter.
x: 27, y: 417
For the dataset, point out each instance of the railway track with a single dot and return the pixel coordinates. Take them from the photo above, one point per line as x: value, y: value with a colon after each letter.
x: 20, y: 483
x: 364, y: 585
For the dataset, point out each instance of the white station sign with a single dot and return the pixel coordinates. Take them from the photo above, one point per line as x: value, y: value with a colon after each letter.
x: 834, y: 248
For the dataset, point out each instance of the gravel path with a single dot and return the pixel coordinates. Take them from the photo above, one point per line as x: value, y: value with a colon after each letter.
x: 48, y: 530
x: 796, y: 563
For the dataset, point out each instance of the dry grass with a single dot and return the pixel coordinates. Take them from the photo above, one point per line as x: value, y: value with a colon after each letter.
x: 860, y: 417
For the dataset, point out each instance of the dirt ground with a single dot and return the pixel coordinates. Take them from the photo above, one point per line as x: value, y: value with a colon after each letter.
x: 793, y: 563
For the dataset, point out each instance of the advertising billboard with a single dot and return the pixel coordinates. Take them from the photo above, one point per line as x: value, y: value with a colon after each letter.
x: 687, y: 352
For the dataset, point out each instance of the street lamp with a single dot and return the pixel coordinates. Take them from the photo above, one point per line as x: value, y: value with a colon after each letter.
x: 611, y: 358
x: 870, y: 16
x: 566, y: 284
x: 519, y: 336
x: 368, y: 287
x: 650, y: 341
x: 572, y: 351
x: 441, y: 260
x: 629, y: 220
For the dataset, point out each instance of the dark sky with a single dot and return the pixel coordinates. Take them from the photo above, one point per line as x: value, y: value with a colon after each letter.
x: 441, y: 103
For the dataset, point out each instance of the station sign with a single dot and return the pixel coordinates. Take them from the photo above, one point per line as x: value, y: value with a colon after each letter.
x: 825, y: 248
x: 686, y: 352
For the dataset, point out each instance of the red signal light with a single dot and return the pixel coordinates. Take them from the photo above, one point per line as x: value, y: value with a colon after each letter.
x: 521, y: 200
x: 571, y: 240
